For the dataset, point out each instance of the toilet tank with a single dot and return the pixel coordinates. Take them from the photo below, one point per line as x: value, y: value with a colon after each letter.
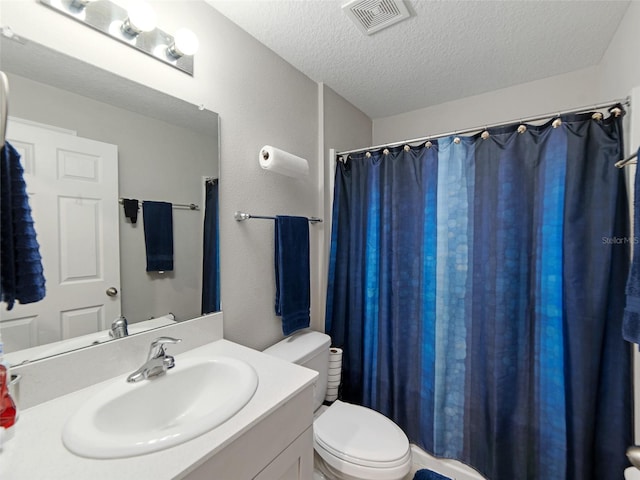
x: 309, y: 349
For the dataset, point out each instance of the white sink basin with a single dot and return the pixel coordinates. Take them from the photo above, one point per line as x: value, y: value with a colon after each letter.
x: 128, y: 419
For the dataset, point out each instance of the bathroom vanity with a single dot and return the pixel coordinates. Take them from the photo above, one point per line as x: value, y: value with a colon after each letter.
x: 270, y: 438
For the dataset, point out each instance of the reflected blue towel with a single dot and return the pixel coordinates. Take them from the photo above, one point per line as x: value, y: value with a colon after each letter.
x: 21, y: 276
x: 158, y: 235
x: 631, y: 319
x: 425, y: 474
x: 292, y: 272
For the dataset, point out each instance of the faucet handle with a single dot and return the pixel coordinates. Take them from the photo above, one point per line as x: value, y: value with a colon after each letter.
x: 156, y: 349
x: 119, y: 327
x: 163, y: 340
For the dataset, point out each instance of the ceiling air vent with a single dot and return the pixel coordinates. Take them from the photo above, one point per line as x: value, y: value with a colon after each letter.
x: 371, y: 16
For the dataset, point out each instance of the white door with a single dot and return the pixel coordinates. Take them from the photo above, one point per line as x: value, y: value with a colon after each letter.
x: 72, y: 184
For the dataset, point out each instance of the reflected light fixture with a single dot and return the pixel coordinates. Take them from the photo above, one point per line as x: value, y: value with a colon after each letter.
x: 134, y: 26
x: 80, y: 4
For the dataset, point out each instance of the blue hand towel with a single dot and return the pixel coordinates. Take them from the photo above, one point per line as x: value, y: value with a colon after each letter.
x: 631, y: 318
x: 292, y: 272
x: 425, y: 474
x: 21, y: 275
x: 158, y: 235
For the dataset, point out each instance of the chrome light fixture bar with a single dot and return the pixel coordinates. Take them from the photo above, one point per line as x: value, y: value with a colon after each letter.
x: 134, y: 27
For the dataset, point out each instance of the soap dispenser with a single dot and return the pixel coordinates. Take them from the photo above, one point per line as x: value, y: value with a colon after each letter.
x: 7, y: 406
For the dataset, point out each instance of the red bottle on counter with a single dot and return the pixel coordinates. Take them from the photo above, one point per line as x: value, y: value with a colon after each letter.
x: 7, y: 406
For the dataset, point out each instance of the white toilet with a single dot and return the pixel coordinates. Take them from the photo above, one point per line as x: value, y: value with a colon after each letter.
x: 351, y: 442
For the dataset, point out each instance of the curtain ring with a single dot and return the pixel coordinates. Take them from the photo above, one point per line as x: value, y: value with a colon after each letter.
x: 556, y: 123
x: 616, y: 111
x: 428, y: 144
x: 485, y: 134
x: 597, y: 116
x: 522, y: 128
x: 368, y: 154
x: 407, y: 148
x: 457, y: 140
x: 386, y: 151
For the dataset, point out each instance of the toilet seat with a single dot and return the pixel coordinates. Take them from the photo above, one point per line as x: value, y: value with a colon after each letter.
x: 361, y: 442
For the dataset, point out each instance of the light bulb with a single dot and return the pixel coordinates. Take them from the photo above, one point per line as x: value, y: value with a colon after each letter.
x: 141, y: 18
x: 185, y: 42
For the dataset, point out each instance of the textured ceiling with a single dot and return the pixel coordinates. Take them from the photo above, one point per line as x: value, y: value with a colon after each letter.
x: 448, y: 49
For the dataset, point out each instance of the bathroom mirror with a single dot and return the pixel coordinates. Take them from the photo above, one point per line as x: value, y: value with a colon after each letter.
x: 167, y: 150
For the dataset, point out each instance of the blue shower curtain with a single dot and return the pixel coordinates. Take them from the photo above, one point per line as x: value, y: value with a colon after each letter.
x: 477, y: 289
x: 211, y: 250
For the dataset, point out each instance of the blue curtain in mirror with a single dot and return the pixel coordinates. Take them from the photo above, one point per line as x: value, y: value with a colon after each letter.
x: 211, y: 253
x: 477, y: 290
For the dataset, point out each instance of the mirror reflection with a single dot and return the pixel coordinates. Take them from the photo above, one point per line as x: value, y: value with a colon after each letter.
x: 91, y: 144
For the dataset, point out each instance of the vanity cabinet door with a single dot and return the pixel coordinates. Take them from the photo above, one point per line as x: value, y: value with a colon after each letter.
x: 294, y: 463
x: 279, y: 447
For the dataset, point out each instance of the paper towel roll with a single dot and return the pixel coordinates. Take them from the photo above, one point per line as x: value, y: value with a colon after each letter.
x: 284, y: 163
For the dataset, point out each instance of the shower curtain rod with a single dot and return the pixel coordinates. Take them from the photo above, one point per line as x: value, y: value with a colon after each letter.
x: 625, y: 102
x: 627, y: 161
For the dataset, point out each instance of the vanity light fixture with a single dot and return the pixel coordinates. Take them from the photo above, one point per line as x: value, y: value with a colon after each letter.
x: 140, y: 18
x: 185, y: 42
x: 134, y: 26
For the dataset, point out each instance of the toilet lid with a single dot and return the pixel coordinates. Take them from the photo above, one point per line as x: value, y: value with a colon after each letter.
x: 360, y: 435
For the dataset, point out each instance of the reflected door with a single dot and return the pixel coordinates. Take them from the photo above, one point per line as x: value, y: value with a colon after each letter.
x: 72, y: 184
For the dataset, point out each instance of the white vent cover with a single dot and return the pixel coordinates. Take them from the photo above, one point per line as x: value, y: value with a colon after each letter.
x: 371, y: 16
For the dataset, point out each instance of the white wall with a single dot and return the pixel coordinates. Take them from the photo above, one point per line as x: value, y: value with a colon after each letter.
x: 557, y: 93
x: 261, y: 100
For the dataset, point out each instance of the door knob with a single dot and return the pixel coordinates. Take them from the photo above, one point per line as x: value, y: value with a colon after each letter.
x: 112, y: 291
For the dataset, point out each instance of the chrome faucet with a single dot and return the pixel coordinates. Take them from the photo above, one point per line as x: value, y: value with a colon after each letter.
x: 119, y: 328
x: 158, y: 362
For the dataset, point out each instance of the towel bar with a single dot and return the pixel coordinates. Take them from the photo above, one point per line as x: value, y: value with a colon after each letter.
x: 190, y: 206
x: 242, y: 216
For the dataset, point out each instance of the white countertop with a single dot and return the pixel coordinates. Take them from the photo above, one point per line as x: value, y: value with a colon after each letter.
x: 36, y: 451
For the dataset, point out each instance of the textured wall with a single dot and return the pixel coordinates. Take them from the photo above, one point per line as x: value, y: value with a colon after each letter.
x: 525, y: 100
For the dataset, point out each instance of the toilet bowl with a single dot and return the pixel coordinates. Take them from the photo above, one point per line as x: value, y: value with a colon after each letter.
x: 351, y: 442
x: 632, y: 473
x: 355, y: 442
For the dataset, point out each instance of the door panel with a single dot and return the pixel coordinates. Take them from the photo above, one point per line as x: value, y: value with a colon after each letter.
x: 72, y: 184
